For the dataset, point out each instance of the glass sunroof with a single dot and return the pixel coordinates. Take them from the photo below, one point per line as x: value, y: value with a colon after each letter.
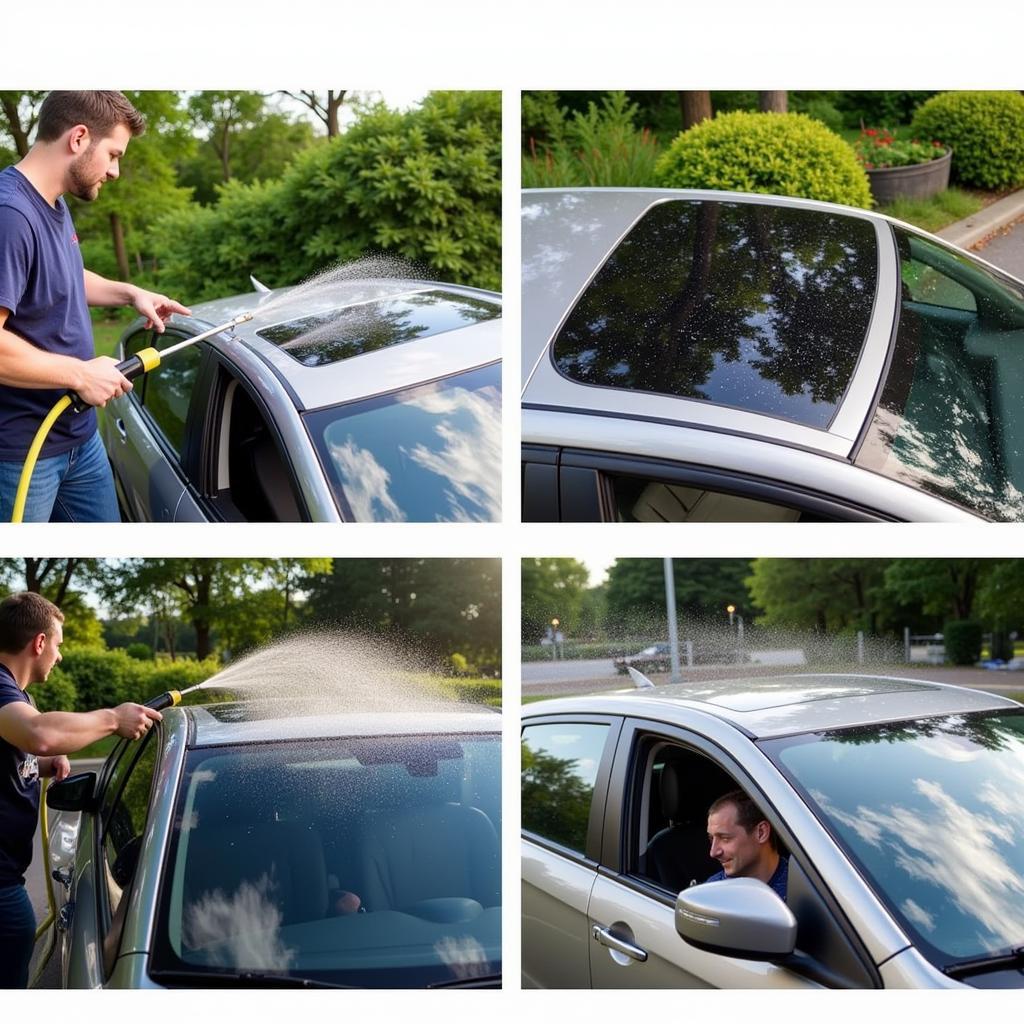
x: 759, y: 307
x: 352, y: 330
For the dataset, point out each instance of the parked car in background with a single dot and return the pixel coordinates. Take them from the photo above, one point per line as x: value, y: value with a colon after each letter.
x: 897, y: 802
x: 695, y: 356
x: 653, y: 658
x: 375, y: 400
x: 265, y: 844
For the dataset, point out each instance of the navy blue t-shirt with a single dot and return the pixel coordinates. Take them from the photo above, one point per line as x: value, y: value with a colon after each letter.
x: 42, y: 284
x: 19, y: 795
x: 779, y: 880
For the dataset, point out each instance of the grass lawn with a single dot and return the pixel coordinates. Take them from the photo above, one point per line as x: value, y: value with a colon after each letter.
x: 938, y: 212
x: 106, y: 334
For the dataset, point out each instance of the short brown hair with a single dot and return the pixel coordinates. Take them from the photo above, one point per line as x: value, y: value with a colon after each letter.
x: 748, y: 814
x: 24, y: 616
x: 101, y: 112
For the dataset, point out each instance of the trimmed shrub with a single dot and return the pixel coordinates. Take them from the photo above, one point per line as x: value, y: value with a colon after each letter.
x: 140, y: 651
x: 1002, y: 645
x: 423, y: 185
x: 56, y: 694
x: 986, y: 131
x: 963, y: 641
x: 777, y: 154
x: 99, y: 676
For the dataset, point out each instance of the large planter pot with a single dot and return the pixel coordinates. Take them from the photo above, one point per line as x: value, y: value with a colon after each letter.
x: 918, y: 181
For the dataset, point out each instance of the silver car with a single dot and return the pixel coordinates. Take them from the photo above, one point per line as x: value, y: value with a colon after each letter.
x: 897, y: 801
x: 374, y: 400
x: 696, y: 356
x: 256, y: 844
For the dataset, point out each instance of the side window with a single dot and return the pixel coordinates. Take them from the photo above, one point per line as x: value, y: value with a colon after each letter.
x: 923, y: 283
x: 122, y: 830
x: 641, y: 500
x: 559, y: 769
x: 675, y: 788
x: 165, y: 392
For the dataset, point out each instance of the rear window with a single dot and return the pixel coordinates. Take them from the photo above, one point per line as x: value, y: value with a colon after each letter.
x: 759, y: 307
x: 365, y: 862
x: 431, y: 453
x: 324, y: 338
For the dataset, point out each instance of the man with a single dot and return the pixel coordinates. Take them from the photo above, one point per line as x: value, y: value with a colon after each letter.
x: 46, y: 345
x: 33, y: 745
x: 744, y: 843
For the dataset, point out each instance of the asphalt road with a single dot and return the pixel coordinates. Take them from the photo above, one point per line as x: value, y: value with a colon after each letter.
x: 1005, y: 249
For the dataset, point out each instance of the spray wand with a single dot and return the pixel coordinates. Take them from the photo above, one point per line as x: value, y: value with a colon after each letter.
x: 142, y: 362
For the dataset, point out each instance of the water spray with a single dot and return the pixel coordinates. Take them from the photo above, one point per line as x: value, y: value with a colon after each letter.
x: 142, y: 362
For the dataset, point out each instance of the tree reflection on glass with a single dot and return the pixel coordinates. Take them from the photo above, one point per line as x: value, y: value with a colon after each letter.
x: 742, y: 304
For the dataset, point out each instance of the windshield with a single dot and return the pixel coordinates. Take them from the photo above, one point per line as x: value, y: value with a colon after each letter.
x: 368, y: 862
x: 950, y: 419
x: 431, y: 453
x: 933, y: 814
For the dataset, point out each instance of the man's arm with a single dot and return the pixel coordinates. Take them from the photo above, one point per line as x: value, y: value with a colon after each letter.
x: 52, y: 733
x: 156, y: 308
x: 23, y: 365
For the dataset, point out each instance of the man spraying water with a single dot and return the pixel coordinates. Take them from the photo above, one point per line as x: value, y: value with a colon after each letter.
x: 34, y: 745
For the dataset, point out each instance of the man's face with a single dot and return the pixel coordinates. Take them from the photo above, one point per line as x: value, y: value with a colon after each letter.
x: 99, y: 163
x: 736, y: 849
x: 49, y: 655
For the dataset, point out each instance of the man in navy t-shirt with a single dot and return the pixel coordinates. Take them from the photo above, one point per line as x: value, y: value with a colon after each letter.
x: 46, y: 345
x: 744, y: 843
x: 33, y: 745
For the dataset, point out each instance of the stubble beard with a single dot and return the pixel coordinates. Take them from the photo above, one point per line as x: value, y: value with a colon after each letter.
x: 82, y: 183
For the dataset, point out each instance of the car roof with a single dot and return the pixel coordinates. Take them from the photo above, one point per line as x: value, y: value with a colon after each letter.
x: 567, y: 236
x: 372, y: 373
x: 271, y: 720
x: 768, y: 707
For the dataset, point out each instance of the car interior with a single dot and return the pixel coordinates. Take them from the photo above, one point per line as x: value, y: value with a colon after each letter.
x: 409, y: 828
x: 252, y: 482
x: 654, y: 501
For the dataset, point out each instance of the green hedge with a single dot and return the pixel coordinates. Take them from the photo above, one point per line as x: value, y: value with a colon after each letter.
x: 89, y: 678
x: 962, y: 639
x: 986, y: 131
x: 424, y: 185
x: 778, y: 154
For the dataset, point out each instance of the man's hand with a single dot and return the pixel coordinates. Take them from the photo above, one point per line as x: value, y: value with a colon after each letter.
x: 156, y: 308
x: 60, y: 767
x: 100, y: 380
x: 134, y: 720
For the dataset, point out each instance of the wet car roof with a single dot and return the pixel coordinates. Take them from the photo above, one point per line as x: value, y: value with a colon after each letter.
x: 376, y: 370
x: 627, y: 312
x: 784, y: 705
x: 266, y: 721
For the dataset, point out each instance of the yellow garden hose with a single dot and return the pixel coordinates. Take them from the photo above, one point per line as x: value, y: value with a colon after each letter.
x: 49, y: 921
x: 33, y: 455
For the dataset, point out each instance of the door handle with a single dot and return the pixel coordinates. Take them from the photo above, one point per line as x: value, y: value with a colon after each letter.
x: 607, y: 938
x: 121, y: 429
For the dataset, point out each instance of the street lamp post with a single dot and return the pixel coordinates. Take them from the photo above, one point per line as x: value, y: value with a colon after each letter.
x: 554, y: 639
x: 673, y: 630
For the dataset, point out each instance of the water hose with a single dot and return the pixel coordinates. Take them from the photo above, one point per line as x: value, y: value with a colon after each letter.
x: 49, y: 922
x: 142, y: 362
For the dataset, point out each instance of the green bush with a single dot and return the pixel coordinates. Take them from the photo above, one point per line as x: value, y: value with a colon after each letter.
x: 820, y: 109
x: 423, y: 185
x: 139, y: 651
x: 1002, y: 645
x: 963, y: 641
x: 986, y: 131
x: 863, y: 107
x: 779, y: 154
x: 56, y: 694
x: 601, y: 147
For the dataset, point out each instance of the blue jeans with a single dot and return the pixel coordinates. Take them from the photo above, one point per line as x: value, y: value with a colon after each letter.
x: 76, y: 487
x: 17, y: 936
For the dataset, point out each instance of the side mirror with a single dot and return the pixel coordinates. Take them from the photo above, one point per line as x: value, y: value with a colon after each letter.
x: 75, y: 793
x: 738, y: 917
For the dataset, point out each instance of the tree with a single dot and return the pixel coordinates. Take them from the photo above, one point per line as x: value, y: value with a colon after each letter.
x: 943, y: 586
x: 551, y: 588
x: 694, y: 108
x: 220, y: 115
x: 326, y: 106
x: 20, y: 111
x: 773, y: 102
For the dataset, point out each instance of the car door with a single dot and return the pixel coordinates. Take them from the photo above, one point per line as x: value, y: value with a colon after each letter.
x: 148, y: 433
x: 109, y: 844
x: 565, y: 768
x: 631, y: 914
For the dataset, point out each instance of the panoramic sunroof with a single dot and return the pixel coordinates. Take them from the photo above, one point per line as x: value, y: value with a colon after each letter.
x: 369, y: 326
x: 759, y: 307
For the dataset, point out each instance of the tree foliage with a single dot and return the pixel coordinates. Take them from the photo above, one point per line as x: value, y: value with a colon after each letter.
x: 552, y: 588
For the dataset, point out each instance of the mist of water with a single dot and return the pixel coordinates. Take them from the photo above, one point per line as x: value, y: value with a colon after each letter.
x: 340, y: 671
x: 349, y: 277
